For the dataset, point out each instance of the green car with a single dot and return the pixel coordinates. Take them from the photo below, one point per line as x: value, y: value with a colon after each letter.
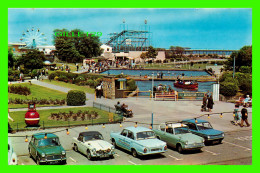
x: 46, y: 148
x: 176, y: 136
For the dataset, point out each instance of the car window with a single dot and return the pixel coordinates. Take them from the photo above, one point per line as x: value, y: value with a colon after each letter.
x: 48, y: 142
x: 80, y: 138
x: 124, y: 132
x: 192, y: 126
x: 93, y: 137
x: 169, y: 130
x: 130, y: 135
x: 204, y: 126
x: 145, y: 135
x: 180, y: 130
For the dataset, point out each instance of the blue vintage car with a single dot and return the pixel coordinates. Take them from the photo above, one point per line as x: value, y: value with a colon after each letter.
x: 204, y: 129
x: 139, y: 141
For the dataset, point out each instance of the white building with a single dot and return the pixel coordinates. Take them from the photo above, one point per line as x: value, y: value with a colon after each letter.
x: 47, y: 50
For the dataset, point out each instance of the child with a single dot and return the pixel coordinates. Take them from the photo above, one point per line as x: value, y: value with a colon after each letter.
x: 236, y: 115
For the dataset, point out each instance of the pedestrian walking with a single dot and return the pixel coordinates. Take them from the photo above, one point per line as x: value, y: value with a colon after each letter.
x: 244, y: 117
x: 204, y: 103
x: 210, y: 103
x: 236, y: 115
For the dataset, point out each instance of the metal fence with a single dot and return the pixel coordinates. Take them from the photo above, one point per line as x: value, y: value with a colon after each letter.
x: 104, y: 107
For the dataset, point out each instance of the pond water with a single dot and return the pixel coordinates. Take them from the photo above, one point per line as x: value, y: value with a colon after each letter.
x: 150, y: 72
x: 147, y: 85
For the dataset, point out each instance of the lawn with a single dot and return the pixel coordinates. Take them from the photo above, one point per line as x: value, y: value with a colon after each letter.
x: 103, y: 117
x: 38, y: 92
x: 86, y: 89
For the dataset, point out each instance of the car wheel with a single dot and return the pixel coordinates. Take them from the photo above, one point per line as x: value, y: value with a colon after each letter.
x: 64, y: 162
x: 179, y: 148
x: 114, y: 143
x: 89, y: 155
x: 75, y: 148
x: 38, y: 160
x: 111, y: 156
x: 220, y: 141
x: 134, y: 153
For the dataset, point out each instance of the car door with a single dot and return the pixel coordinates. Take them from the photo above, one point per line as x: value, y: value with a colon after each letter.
x: 33, y: 145
x: 169, y: 137
x: 129, y: 140
x: 122, y: 138
x: 193, y: 128
x: 81, y: 146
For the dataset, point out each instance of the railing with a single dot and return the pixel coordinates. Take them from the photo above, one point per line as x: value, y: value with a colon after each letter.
x: 104, y: 107
x: 138, y: 94
x: 191, y: 95
x: 166, y: 96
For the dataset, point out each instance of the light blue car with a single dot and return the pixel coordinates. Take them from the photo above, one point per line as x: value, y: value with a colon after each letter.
x: 139, y: 141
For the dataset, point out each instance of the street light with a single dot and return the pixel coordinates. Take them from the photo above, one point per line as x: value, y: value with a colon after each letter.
x: 152, y: 84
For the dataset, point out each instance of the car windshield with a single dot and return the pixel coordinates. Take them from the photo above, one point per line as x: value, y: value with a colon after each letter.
x: 145, y: 135
x: 204, y: 126
x: 48, y: 142
x: 93, y: 137
x: 180, y: 130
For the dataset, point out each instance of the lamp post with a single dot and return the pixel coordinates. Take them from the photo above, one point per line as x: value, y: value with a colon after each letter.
x: 152, y: 100
x: 152, y: 83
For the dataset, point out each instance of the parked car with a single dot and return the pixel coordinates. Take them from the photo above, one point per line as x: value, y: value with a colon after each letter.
x: 46, y: 148
x: 12, y: 157
x: 139, y: 141
x: 179, y: 137
x: 204, y: 129
x: 92, y: 145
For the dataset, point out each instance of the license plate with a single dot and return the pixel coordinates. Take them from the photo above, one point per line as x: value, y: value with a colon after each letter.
x: 215, y: 142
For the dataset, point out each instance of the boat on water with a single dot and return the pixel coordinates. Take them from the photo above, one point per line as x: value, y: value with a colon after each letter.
x: 186, y: 84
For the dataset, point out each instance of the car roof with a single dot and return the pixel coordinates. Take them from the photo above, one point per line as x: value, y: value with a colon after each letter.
x: 137, y: 129
x: 89, y: 133
x: 193, y: 121
x: 41, y: 135
x: 173, y: 125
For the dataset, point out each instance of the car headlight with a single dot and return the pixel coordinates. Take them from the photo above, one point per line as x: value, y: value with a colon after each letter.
x: 186, y: 142
x: 112, y: 148
x: 43, y: 154
x: 93, y: 150
x: 208, y: 137
x: 63, y: 152
x: 223, y: 134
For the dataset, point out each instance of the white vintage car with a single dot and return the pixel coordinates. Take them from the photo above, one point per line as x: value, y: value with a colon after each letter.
x: 12, y: 157
x: 92, y: 145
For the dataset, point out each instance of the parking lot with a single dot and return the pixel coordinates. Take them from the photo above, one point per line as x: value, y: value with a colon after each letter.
x: 236, y: 149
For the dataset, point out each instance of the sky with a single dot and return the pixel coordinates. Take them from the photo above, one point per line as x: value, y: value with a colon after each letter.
x: 196, y: 28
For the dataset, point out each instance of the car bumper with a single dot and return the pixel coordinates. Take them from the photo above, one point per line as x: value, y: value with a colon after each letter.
x: 214, y: 139
x: 101, y: 155
x: 193, y: 146
x: 53, y: 160
x: 151, y: 153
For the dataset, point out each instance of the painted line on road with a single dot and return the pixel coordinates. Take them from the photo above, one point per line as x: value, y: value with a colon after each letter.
x: 73, y: 159
x: 236, y: 145
x: 245, y: 138
x: 214, y: 154
x: 175, y: 157
x: 133, y: 163
x: 116, y: 155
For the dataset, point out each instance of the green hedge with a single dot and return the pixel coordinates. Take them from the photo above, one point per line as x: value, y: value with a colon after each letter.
x: 76, y: 98
x: 228, y: 88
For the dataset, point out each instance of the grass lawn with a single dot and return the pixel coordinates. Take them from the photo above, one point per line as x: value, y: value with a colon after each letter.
x: 38, y: 92
x: 71, y: 86
x: 45, y: 114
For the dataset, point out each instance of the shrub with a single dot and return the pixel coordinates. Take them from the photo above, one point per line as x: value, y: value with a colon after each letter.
x: 245, y: 69
x: 76, y: 98
x: 79, y: 79
x: 228, y: 88
x: 131, y: 85
x: 90, y: 82
x: 63, y: 78
x: 246, y: 86
x: 21, y: 90
x: 52, y: 76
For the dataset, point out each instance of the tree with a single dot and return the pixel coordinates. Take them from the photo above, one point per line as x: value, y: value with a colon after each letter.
x: 32, y: 60
x: 242, y: 58
x: 74, y: 45
x: 143, y: 55
x: 151, y: 52
x: 11, y: 58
